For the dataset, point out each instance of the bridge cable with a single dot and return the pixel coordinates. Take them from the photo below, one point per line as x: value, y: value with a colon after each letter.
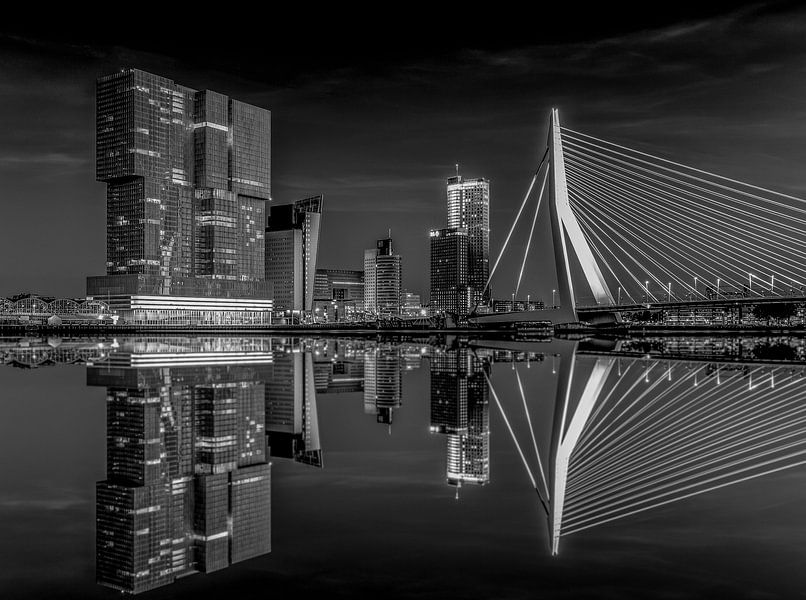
x: 531, y: 232
x: 514, y: 224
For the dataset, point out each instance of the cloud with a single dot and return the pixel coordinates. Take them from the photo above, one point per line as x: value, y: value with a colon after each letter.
x: 44, y: 159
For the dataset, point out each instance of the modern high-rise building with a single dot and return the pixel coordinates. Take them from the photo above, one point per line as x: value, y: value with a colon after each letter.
x: 469, y: 209
x: 449, y: 271
x: 292, y: 247
x: 188, y: 485
x: 383, y: 279
x: 188, y: 176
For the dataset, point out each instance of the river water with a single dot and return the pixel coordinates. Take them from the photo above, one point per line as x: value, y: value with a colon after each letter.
x: 193, y: 467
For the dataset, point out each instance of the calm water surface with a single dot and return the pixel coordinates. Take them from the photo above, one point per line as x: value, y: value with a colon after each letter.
x: 198, y: 467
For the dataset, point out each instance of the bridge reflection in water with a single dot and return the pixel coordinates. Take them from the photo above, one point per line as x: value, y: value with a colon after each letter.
x: 635, y: 431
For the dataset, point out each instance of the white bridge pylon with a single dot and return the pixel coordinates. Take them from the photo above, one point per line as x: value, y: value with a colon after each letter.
x: 566, y: 235
x: 564, y: 226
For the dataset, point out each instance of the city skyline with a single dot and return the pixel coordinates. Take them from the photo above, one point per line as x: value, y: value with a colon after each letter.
x: 723, y: 92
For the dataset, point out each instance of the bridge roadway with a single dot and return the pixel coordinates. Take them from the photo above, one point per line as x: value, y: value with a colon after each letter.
x: 704, y: 302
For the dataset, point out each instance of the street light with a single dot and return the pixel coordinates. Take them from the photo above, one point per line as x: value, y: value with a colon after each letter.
x: 646, y: 287
x: 670, y: 292
x: 619, y: 295
x: 717, y: 285
x: 750, y: 278
x: 695, y: 286
x: 553, y: 305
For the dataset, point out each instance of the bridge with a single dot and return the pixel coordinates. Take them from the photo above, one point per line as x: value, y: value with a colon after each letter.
x: 632, y: 231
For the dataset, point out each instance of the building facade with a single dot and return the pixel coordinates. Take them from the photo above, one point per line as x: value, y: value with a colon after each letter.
x: 188, y: 176
x: 383, y: 280
x: 339, y: 294
x: 292, y: 248
x: 468, y: 203
x: 449, y: 271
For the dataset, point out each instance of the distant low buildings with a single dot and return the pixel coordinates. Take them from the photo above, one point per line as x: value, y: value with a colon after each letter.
x: 338, y: 295
x: 411, y: 305
x: 47, y: 310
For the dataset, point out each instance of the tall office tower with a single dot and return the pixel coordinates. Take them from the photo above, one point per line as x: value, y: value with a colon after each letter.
x: 188, y: 485
x: 469, y: 208
x: 292, y: 247
x: 460, y: 408
x: 449, y: 271
x: 188, y: 177
x: 292, y: 416
x: 383, y: 279
x: 383, y: 382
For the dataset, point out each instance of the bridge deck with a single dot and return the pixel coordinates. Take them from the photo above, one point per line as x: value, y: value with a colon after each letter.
x: 705, y: 302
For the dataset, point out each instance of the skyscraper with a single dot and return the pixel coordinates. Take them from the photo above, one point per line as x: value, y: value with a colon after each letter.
x: 292, y: 247
x: 469, y: 209
x: 449, y: 271
x: 188, y: 177
x: 382, y: 279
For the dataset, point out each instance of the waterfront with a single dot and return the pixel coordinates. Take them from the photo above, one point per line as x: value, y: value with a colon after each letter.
x: 401, y: 475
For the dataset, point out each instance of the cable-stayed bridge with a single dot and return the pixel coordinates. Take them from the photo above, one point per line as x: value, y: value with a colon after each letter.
x: 632, y: 434
x: 632, y: 231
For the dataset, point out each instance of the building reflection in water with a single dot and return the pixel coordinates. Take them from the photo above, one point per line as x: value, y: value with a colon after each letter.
x: 292, y: 418
x: 460, y: 409
x: 383, y: 381
x: 188, y: 485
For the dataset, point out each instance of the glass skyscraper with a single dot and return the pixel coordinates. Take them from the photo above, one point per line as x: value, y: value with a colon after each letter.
x: 469, y: 208
x: 449, y: 271
x: 188, y: 177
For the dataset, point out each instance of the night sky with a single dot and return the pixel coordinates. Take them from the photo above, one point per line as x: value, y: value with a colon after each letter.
x: 374, y: 109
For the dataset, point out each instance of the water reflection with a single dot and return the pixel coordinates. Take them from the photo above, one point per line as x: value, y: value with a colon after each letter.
x: 637, y: 431
x: 602, y: 429
x: 188, y: 485
x: 460, y: 410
